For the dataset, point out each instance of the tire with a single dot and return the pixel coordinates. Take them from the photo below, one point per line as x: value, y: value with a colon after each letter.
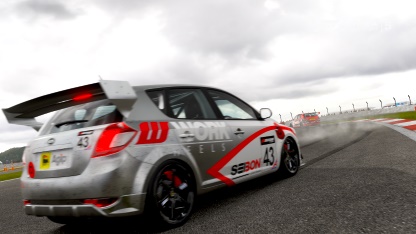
x: 290, y: 161
x: 171, y: 194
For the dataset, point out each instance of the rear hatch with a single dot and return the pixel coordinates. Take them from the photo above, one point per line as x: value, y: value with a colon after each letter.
x: 311, y: 117
x: 68, y: 140
x: 87, y: 124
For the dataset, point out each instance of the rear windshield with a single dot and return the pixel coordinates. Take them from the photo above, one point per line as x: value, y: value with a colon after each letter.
x: 81, y: 116
x: 311, y: 114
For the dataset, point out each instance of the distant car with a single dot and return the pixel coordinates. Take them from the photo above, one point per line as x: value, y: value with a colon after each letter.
x: 114, y: 150
x: 306, y: 119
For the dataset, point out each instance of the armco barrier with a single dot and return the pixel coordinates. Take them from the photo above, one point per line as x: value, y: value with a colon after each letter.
x: 369, y: 113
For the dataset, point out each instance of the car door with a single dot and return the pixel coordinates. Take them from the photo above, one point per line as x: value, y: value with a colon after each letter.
x: 198, y: 129
x: 252, y: 150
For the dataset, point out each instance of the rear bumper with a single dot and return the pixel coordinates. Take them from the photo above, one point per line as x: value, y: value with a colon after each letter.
x: 313, y: 123
x: 117, y: 176
x: 125, y: 206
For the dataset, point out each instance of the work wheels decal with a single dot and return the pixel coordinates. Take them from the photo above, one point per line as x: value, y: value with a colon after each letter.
x: 243, y: 166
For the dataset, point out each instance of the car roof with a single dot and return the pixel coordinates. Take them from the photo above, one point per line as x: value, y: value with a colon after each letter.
x: 162, y: 86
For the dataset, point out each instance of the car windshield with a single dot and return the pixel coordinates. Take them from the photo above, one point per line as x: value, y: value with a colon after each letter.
x: 81, y: 116
x: 310, y: 114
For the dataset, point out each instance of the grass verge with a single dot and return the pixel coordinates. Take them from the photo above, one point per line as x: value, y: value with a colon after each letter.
x: 10, y: 176
x: 399, y: 115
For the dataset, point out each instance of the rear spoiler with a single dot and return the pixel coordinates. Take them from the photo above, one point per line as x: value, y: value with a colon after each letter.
x: 120, y: 93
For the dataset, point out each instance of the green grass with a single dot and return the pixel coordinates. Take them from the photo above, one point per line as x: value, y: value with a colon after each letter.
x: 10, y: 176
x: 399, y: 115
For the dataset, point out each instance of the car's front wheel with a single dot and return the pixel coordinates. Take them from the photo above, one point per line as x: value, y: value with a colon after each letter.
x: 172, y: 194
x: 290, y: 161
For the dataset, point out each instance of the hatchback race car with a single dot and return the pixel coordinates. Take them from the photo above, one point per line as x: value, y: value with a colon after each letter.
x: 306, y: 119
x: 114, y: 150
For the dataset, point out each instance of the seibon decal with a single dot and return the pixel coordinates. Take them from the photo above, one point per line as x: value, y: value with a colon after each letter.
x: 204, y: 131
x: 153, y: 132
x: 245, y: 166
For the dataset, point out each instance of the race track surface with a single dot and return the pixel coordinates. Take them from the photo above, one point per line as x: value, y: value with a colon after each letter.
x: 358, y: 178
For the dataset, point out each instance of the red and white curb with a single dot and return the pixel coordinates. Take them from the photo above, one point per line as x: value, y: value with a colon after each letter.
x: 406, y: 127
x: 404, y: 123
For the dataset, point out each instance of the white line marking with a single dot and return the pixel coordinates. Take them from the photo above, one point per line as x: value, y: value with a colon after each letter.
x: 390, y: 120
x: 376, y: 120
x: 8, y: 180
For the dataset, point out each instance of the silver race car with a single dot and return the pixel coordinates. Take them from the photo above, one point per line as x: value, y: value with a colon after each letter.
x: 114, y: 150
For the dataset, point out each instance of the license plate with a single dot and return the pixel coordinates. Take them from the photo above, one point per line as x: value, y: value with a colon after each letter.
x: 54, y: 160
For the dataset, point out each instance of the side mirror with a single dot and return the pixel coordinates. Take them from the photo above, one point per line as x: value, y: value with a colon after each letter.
x: 265, y: 113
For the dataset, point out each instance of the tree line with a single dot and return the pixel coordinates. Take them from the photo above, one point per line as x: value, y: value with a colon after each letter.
x: 12, y: 155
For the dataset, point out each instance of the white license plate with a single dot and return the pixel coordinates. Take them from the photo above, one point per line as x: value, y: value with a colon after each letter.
x: 54, y: 160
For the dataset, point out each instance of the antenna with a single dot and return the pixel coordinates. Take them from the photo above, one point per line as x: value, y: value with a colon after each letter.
x: 100, y: 77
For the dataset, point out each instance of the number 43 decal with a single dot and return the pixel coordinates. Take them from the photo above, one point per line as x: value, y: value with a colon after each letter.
x: 83, y: 142
x: 269, y: 156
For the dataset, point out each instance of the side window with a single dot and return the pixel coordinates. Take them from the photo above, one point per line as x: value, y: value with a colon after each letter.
x: 157, y: 97
x: 189, y: 104
x: 231, y: 107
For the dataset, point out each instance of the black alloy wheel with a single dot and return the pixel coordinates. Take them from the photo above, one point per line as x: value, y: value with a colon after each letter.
x: 173, y: 193
x: 290, y: 161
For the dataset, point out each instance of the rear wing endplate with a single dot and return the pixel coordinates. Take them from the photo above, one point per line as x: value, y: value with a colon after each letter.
x: 120, y: 93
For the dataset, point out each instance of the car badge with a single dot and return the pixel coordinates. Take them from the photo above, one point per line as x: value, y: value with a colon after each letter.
x: 51, y: 141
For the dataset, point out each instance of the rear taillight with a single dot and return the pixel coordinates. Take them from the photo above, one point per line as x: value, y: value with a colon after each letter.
x: 101, y: 202
x: 31, y: 170
x: 26, y: 202
x: 113, y: 139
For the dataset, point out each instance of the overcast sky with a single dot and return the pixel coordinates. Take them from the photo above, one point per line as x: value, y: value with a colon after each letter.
x: 288, y: 55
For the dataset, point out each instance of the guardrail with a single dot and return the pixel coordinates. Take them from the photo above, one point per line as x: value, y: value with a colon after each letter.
x: 367, y: 113
x: 362, y: 114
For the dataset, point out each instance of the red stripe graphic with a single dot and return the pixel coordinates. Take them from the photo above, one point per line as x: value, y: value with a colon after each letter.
x: 287, y: 128
x: 215, y: 170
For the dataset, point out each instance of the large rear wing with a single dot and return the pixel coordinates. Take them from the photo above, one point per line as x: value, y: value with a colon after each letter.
x: 120, y: 93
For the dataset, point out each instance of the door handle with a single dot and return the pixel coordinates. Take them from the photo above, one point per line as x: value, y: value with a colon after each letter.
x: 186, y: 135
x: 239, y: 131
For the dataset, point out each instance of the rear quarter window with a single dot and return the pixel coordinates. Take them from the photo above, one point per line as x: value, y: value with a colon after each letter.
x: 82, y: 116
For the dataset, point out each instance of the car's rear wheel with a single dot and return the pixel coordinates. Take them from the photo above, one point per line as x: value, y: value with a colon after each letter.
x: 172, y: 194
x: 290, y: 161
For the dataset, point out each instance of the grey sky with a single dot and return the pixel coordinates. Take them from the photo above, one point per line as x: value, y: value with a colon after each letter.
x: 289, y: 55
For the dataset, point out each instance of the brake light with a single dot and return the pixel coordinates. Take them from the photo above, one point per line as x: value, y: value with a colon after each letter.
x: 113, y: 139
x: 31, y: 170
x: 82, y: 97
x: 101, y: 202
x: 26, y: 202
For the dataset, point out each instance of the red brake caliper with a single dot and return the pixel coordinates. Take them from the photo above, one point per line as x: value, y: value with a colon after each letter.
x: 176, y: 180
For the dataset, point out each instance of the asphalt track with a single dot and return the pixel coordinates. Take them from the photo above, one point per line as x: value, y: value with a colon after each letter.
x: 358, y: 178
